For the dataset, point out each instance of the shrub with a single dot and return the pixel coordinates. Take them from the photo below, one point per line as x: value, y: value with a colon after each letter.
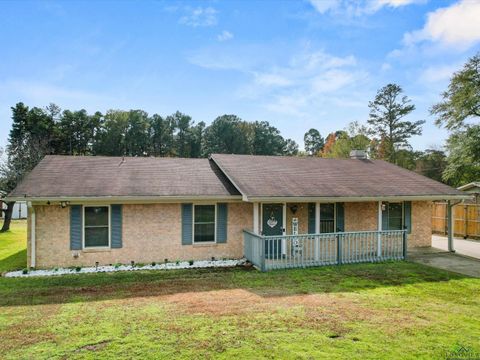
x: 25, y: 271
x: 154, y: 263
x: 78, y: 268
x: 190, y: 262
x: 117, y: 265
x: 177, y: 262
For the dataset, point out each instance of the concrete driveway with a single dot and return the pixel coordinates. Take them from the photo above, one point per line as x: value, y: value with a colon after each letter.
x: 445, y: 260
x: 464, y: 247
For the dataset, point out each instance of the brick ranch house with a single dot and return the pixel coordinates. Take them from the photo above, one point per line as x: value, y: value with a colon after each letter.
x: 83, y: 210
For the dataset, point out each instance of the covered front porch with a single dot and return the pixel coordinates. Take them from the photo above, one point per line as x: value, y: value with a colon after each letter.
x: 301, y: 234
x: 292, y: 251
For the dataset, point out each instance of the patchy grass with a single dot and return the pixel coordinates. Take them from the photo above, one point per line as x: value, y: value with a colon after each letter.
x: 389, y: 310
x: 13, y: 247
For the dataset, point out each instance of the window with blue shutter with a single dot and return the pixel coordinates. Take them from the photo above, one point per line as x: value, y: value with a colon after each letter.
x: 311, y: 218
x: 187, y: 224
x: 408, y: 215
x: 222, y: 219
x: 76, y: 225
x: 116, y: 226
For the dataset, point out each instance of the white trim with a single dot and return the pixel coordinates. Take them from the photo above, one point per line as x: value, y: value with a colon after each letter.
x: 33, y: 244
x: 380, y: 226
x: 283, y: 243
x: 109, y: 228
x: 214, y: 225
x: 255, y: 218
x: 281, y: 199
x: 234, y: 198
x: 317, y: 218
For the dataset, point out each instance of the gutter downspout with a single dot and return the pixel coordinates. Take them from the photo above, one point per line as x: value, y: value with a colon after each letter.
x: 32, y: 235
x: 451, y: 222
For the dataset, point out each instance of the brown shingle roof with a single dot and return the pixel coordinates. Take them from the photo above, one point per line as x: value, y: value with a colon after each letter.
x: 279, y: 176
x: 99, y: 176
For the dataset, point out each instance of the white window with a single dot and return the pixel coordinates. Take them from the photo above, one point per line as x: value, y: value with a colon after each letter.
x: 96, y: 226
x: 204, y: 223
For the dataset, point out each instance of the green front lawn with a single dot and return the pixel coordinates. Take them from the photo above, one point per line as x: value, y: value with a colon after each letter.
x: 390, y: 310
x: 13, y: 247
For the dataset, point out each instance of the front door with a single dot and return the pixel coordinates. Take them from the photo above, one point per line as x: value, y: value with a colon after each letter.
x: 273, y: 226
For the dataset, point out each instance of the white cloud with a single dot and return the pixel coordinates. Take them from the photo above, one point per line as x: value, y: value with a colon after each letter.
x: 322, y: 6
x: 224, y: 36
x: 358, y: 7
x: 439, y: 73
x: 199, y: 17
x: 386, y: 66
x: 455, y: 26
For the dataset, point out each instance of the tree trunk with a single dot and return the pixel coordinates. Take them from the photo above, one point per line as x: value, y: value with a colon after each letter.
x: 8, y: 216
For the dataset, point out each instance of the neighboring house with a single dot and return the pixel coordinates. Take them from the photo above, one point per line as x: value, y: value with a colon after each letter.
x: 109, y: 210
x: 472, y: 188
x: 19, y: 210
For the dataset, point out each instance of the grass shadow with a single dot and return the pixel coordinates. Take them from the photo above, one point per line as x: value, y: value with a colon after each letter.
x: 124, y: 285
x: 14, y: 262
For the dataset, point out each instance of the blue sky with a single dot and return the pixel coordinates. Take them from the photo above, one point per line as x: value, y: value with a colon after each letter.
x: 297, y: 64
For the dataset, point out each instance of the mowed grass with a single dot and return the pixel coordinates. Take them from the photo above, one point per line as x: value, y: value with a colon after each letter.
x: 370, y: 311
x: 13, y: 247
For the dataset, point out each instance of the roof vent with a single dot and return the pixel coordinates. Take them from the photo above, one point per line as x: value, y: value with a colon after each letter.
x: 358, y: 154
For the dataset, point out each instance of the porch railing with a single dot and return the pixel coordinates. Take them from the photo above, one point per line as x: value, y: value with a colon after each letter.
x: 293, y: 251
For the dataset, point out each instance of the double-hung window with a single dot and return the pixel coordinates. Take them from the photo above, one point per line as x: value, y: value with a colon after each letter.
x: 96, y: 226
x: 327, y: 218
x: 204, y: 223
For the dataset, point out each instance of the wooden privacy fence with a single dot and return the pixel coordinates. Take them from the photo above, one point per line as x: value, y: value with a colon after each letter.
x: 466, y: 219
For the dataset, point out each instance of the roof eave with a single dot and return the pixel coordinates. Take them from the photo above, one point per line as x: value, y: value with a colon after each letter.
x: 355, y: 198
x: 125, y: 199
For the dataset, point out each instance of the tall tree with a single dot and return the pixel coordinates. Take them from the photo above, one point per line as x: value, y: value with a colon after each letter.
x: 354, y: 137
x: 31, y: 137
x: 266, y: 139
x: 459, y: 112
x: 386, y: 122
x: 290, y: 148
x: 314, y: 142
x: 137, y: 142
x: 461, y: 101
x: 161, y: 135
x: 431, y: 163
x: 111, y: 139
x: 226, y: 135
x: 183, y: 135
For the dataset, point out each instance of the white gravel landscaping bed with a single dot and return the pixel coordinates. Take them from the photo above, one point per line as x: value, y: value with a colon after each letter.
x: 103, y: 269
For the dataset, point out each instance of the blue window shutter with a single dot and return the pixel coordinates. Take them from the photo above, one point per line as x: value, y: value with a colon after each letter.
x: 187, y: 224
x: 340, y: 217
x: 407, y: 208
x: 311, y: 218
x: 116, y: 226
x: 222, y: 219
x: 385, y: 216
x: 76, y: 225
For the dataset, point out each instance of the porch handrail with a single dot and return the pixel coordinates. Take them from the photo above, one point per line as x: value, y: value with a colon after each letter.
x: 317, y: 249
x: 326, y: 234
